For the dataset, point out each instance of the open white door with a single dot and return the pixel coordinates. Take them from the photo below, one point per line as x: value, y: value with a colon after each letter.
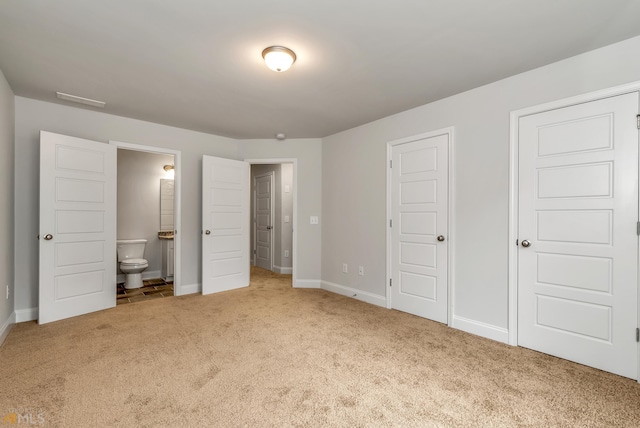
x: 225, y: 224
x: 77, y: 227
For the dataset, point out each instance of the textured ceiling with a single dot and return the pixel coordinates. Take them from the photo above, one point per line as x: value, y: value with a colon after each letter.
x: 197, y: 64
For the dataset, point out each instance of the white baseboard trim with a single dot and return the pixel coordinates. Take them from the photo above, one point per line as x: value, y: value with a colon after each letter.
x: 282, y: 270
x: 307, y: 283
x: 6, y: 327
x: 153, y: 274
x: 188, y: 289
x: 24, y: 315
x: 481, y: 329
x: 354, y: 293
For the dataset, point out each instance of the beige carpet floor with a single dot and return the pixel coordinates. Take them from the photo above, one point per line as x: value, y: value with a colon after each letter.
x: 272, y: 356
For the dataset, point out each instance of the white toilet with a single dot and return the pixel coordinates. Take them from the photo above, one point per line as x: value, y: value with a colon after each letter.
x: 132, y: 263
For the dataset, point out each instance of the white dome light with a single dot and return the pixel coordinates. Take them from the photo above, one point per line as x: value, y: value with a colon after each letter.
x: 278, y: 58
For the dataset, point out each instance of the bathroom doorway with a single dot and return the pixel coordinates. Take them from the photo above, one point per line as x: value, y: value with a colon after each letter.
x: 148, y: 208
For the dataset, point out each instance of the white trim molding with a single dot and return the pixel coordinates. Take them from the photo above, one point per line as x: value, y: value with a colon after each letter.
x: 481, y: 329
x: 282, y: 270
x: 24, y: 315
x: 188, y: 289
x: 354, y: 293
x: 307, y: 283
x: 6, y: 327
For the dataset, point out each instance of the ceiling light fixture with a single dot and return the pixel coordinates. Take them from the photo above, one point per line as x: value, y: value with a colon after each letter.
x: 81, y: 100
x: 278, y: 58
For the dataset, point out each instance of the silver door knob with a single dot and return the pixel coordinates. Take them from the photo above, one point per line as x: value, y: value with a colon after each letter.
x: 440, y: 238
x: 525, y: 243
x: 48, y: 237
x: 207, y: 232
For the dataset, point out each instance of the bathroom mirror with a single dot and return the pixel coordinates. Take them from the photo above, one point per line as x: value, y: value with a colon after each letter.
x: 166, y: 204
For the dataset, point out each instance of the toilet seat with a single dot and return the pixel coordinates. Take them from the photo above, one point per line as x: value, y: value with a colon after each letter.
x: 134, y: 263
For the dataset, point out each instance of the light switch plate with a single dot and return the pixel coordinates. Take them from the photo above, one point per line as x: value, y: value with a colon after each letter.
x: 313, y: 219
x: 286, y: 219
x: 286, y: 188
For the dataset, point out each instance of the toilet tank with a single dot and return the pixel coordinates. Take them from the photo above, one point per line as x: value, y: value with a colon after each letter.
x: 130, y: 248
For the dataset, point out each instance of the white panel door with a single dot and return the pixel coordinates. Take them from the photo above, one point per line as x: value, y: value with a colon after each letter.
x: 578, y: 255
x: 77, y: 227
x: 419, y: 210
x: 264, y: 221
x: 225, y: 224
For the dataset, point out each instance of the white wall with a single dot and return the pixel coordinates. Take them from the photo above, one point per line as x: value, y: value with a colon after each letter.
x: 6, y: 202
x: 308, y: 153
x: 354, y: 179
x: 286, y: 204
x: 33, y: 116
x: 139, y: 175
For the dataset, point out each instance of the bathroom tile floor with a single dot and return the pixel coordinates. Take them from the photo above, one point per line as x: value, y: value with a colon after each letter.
x: 151, y: 289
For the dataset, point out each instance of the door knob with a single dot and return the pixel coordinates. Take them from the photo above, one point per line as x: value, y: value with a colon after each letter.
x: 269, y: 227
x: 525, y: 243
x: 48, y: 237
x: 207, y: 232
x: 440, y: 238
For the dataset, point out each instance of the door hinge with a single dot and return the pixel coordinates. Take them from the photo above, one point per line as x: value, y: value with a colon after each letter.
x: 391, y: 162
x: 390, y: 282
x: 390, y: 222
x: 638, y: 120
x: 637, y: 334
x: 638, y: 228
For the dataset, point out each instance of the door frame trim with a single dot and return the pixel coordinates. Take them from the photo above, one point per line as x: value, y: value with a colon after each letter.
x: 449, y: 131
x: 514, y: 118
x: 294, y: 220
x: 272, y: 183
x: 177, y: 205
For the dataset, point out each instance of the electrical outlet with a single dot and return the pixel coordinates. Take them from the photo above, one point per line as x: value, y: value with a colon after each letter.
x: 345, y: 268
x: 286, y: 253
x: 361, y: 270
x: 286, y: 219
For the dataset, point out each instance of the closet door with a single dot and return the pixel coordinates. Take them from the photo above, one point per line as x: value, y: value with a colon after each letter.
x: 419, y: 231
x: 578, y: 213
